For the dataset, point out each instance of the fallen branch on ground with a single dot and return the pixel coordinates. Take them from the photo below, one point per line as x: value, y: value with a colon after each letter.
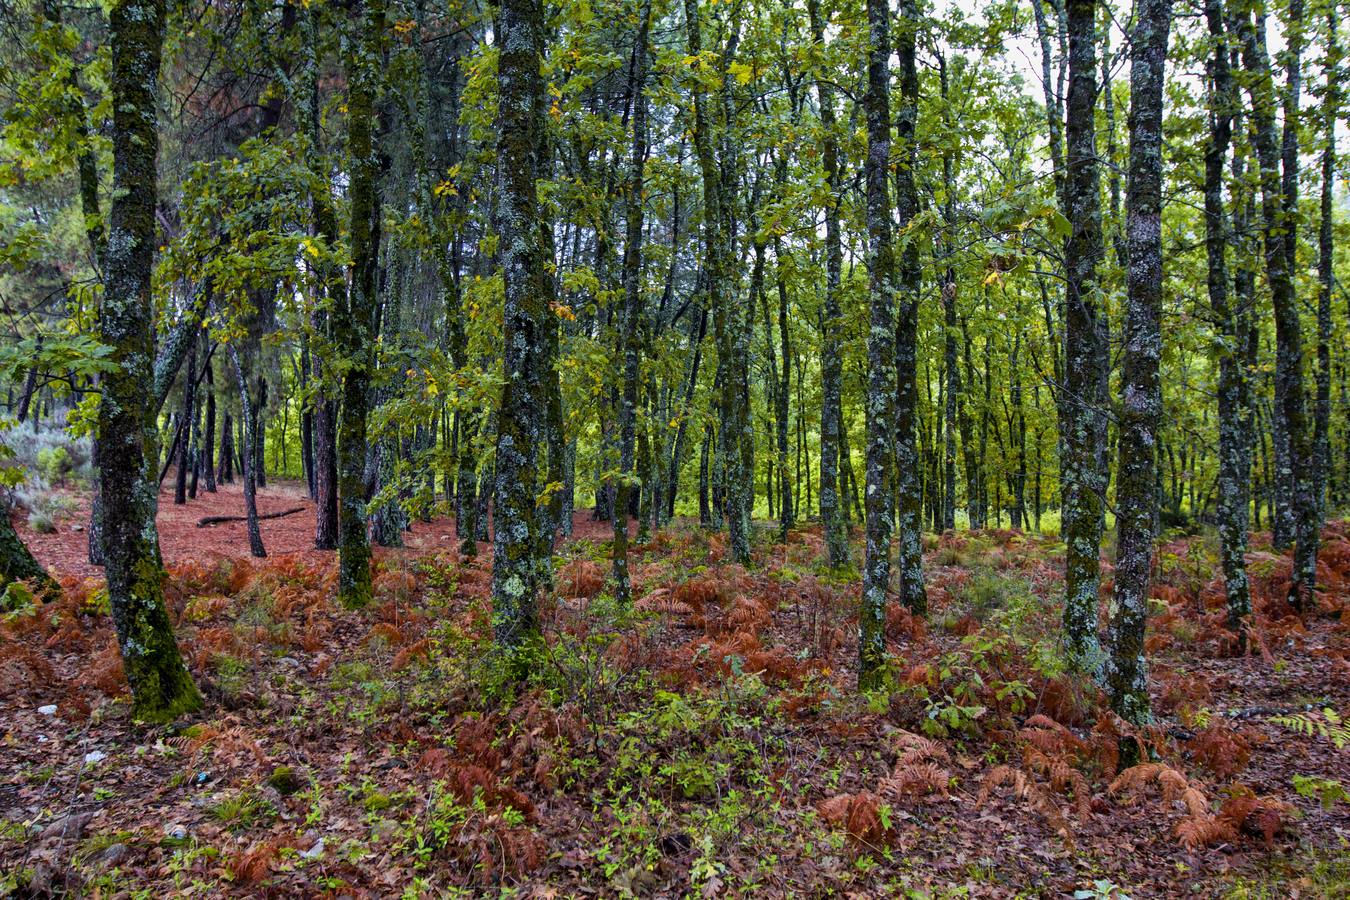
x: 216, y: 520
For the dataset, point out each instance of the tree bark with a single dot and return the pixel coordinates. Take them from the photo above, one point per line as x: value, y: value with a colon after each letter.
x: 632, y: 308
x: 910, y: 558
x: 1230, y: 324
x: 160, y: 684
x: 1289, y: 392
x: 881, y: 372
x: 832, y: 506
x: 354, y: 322
x: 1082, y: 420
x: 1141, y: 406
x: 520, y: 425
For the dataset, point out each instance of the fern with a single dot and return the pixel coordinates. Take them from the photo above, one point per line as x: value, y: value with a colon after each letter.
x: 1328, y: 725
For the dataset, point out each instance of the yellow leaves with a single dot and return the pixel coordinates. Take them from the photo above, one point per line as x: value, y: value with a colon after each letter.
x: 310, y: 248
x: 563, y: 311
x: 993, y: 277
x: 404, y: 27
x: 445, y: 189
x: 743, y: 72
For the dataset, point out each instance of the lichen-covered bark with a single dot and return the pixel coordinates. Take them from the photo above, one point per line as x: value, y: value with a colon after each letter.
x: 189, y: 415
x: 1289, y: 392
x: 1326, y: 246
x: 248, y: 460
x: 17, y: 562
x: 520, y: 423
x: 333, y: 286
x: 161, y: 687
x: 1083, y: 423
x: 730, y: 332
x: 632, y: 307
x: 354, y: 321
x: 910, y: 518
x: 1231, y: 321
x: 1141, y: 387
x: 831, y: 366
x: 881, y: 378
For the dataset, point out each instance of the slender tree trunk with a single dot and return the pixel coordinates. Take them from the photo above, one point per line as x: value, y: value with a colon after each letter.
x: 354, y: 323
x: 306, y: 421
x: 910, y: 561
x: 1082, y: 420
x: 832, y: 507
x: 1289, y: 392
x: 187, y: 417
x: 520, y: 424
x: 1141, y: 409
x: 161, y: 687
x: 1325, y: 270
x: 226, y: 471
x: 208, y: 448
x: 881, y: 372
x: 1230, y: 324
x: 248, y: 460
x: 632, y: 309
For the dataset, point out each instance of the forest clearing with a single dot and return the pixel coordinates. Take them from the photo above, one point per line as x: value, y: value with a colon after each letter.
x: 636, y: 448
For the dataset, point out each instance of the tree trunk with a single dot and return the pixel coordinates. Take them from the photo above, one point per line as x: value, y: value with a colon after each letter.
x: 881, y: 373
x: 354, y: 321
x: 160, y: 684
x: 1325, y: 272
x: 910, y: 561
x: 247, y: 460
x: 208, y: 448
x: 1082, y: 420
x: 186, y: 418
x: 632, y: 308
x: 1231, y: 326
x: 520, y: 425
x: 832, y: 506
x: 1289, y: 391
x: 1141, y: 408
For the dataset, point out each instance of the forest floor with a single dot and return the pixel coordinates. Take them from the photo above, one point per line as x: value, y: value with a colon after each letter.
x: 708, y: 742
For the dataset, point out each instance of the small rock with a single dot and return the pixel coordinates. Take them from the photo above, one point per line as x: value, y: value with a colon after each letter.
x: 290, y: 662
x: 48, y: 710
x: 314, y: 852
x: 176, y: 832
x: 114, y: 854
x: 384, y: 830
x: 94, y: 756
x: 69, y: 827
x: 81, y: 528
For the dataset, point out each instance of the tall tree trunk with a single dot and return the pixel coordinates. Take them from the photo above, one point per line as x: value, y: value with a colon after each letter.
x: 333, y: 287
x: 354, y: 322
x: 1325, y: 270
x: 208, y: 447
x: 881, y: 373
x: 1289, y: 392
x: 910, y: 558
x: 187, y: 417
x: 1141, y: 407
x: 1230, y: 340
x: 225, y: 475
x: 248, y: 461
x: 832, y: 506
x: 520, y: 424
x: 632, y: 307
x: 161, y: 687
x: 1082, y: 419
x: 306, y: 420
